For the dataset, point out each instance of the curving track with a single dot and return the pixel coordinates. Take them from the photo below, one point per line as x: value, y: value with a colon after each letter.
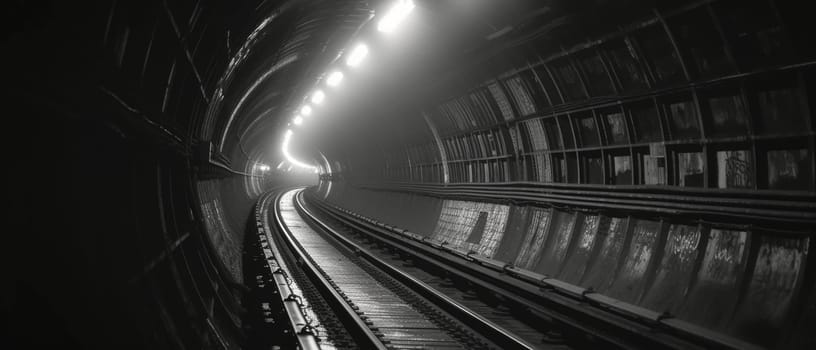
x: 375, y: 304
x: 360, y: 285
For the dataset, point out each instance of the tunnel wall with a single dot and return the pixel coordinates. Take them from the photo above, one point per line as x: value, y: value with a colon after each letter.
x: 664, y: 158
x: 413, y: 212
x: 224, y: 207
x: 114, y: 253
x: 749, y: 282
x: 121, y: 245
x: 648, y: 104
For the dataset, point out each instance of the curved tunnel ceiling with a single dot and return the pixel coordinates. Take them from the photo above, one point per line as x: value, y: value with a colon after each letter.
x: 142, y: 126
x: 274, y: 67
x: 443, y: 49
x: 264, y: 91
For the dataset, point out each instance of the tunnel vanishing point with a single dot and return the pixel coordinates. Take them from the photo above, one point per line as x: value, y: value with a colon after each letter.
x: 643, y: 163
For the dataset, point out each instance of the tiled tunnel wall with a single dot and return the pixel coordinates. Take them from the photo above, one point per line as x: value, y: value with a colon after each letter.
x: 651, y: 104
x: 648, y: 111
x: 744, y: 281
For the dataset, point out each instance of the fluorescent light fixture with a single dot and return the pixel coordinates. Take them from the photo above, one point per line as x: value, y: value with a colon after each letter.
x: 298, y: 120
x: 292, y: 160
x: 318, y: 97
x: 263, y: 167
x: 280, y: 165
x: 395, y: 15
x: 334, y: 78
x: 357, y: 55
x: 306, y: 111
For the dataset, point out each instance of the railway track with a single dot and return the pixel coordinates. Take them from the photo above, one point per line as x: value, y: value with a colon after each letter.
x: 362, y: 284
x: 370, y: 302
x: 534, y: 331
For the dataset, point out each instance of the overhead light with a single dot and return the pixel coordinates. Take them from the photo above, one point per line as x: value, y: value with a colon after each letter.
x: 395, y: 15
x: 281, y: 164
x: 306, y: 111
x: 263, y: 167
x: 334, y: 78
x: 318, y: 97
x: 285, y: 150
x: 357, y: 55
x: 298, y: 120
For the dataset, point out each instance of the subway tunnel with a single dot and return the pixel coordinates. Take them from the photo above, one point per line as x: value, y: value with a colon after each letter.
x: 653, y: 161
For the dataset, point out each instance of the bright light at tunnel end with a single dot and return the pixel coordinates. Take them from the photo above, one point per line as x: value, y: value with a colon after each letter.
x: 289, y: 158
x: 395, y: 15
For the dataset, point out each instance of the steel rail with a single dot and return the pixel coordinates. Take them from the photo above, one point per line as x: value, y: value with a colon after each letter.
x: 485, y: 327
x: 357, y: 328
x: 297, y: 319
x: 577, y: 307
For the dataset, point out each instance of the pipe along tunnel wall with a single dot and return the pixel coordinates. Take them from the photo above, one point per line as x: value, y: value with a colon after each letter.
x: 744, y: 283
